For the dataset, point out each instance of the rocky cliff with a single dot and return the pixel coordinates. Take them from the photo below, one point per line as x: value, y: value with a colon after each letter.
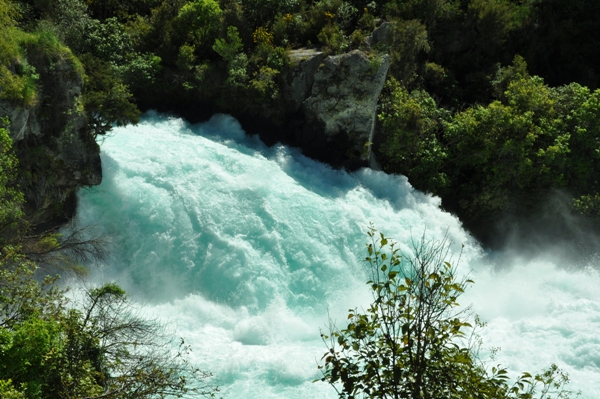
x: 57, y: 153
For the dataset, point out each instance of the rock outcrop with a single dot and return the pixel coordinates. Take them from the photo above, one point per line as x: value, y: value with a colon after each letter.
x: 57, y: 153
x: 331, y: 104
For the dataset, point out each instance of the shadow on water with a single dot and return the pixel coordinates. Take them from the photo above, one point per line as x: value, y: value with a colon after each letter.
x: 312, y: 175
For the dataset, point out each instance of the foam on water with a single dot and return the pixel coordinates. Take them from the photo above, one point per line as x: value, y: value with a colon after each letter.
x: 245, y: 250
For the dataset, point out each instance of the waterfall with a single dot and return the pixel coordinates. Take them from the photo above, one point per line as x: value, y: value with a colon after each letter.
x: 246, y: 251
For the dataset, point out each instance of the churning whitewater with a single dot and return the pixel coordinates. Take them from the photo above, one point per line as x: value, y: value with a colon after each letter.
x: 247, y: 251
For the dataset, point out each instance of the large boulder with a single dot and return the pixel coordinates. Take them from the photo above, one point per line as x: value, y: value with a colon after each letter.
x: 335, y: 120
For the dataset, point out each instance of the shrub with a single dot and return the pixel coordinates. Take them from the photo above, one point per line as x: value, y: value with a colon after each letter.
x: 411, y: 342
x: 199, y: 23
x: 333, y: 39
x: 411, y: 129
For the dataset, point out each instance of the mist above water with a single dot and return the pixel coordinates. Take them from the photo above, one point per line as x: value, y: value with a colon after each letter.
x: 245, y: 250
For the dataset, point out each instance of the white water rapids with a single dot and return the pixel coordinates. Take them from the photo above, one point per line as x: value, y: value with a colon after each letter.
x: 245, y: 250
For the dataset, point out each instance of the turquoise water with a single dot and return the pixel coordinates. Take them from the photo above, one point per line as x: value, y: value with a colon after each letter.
x: 245, y: 250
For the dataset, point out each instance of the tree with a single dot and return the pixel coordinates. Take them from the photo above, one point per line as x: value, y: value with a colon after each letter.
x: 99, y: 347
x: 112, y: 352
x: 411, y: 129
x: 514, y: 148
x: 11, y: 199
x: 426, y: 11
x: 29, y: 330
x: 200, y: 20
x: 27, y: 353
x: 411, y: 341
x: 229, y: 48
x: 507, y: 155
x: 106, y: 98
x: 72, y: 23
x: 261, y: 12
x: 107, y: 41
x: 410, y: 42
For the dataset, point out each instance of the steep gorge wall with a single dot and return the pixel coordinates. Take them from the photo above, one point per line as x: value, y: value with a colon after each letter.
x: 57, y: 153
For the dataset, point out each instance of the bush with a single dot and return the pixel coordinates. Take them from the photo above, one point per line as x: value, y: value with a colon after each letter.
x: 200, y: 21
x: 18, y: 79
x: 10, y: 197
x: 411, y: 341
x: 411, y: 127
x: 264, y: 84
x: 333, y: 39
x: 96, y: 347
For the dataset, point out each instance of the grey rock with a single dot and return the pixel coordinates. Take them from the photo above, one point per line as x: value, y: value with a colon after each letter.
x: 341, y: 109
x: 22, y: 123
x: 299, y: 79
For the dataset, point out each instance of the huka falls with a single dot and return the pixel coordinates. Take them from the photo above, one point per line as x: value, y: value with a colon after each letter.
x: 248, y: 252
x: 299, y: 199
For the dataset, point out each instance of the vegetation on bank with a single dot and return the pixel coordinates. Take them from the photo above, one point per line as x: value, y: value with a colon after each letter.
x: 507, y: 154
x: 98, y: 346
x: 489, y: 103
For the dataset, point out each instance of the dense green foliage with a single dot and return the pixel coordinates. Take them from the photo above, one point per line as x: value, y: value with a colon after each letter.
x: 106, y: 95
x: 10, y: 197
x: 530, y: 139
x: 413, y: 342
x: 97, y: 347
x: 17, y: 77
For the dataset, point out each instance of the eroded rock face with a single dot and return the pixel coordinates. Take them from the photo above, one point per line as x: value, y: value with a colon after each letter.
x: 57, y: 153
x: 335, y: 121
x: 22, y: 121
x: 300, y: 79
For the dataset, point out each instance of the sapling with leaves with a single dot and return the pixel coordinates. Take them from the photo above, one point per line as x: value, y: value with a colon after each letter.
x: 414, y: 341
